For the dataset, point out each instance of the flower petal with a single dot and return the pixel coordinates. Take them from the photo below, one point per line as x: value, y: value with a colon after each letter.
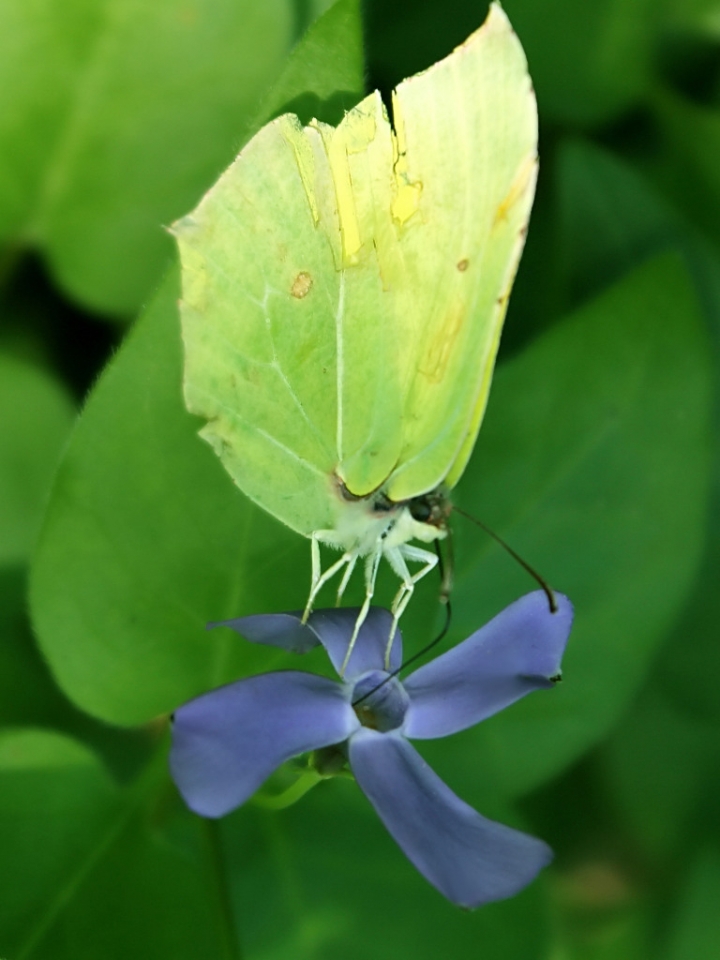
x: 228, y: 741
x: 517, y: 652
x: 284, y: 630
x: 335, y: 628
x: 332, y: 628
x: 471, y: 860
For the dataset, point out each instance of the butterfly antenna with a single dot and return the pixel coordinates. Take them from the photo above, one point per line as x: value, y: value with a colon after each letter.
x: 446, y: 568
x: 445, y: 581
x: 549, y: 593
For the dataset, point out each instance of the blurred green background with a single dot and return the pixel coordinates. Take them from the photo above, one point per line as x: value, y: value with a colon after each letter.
x: 121, y: 535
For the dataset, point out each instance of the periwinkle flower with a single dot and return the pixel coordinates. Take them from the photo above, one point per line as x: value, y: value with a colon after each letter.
x: 228, y: 741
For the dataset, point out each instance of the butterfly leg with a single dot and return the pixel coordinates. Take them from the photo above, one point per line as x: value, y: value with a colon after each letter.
x: 319, y: 579
x: 396, y: 557
x: 345, y: 578
x: 372, y: 561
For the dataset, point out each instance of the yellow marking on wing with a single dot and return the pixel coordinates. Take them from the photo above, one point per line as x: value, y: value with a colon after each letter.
x: 295, y: 137
x: 439, y: 349
x: 523, y: 179
x: 407, y: 199
x: 407, y: 192
x: 353, y: 136
x: 336, y: 147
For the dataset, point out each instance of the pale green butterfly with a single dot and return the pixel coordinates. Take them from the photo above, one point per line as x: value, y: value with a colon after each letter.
x: 343, y: 293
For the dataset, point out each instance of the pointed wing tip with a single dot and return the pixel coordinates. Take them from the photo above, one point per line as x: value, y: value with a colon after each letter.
x: 183, y: 226
x: 497, y: 19
x: 496, y: 22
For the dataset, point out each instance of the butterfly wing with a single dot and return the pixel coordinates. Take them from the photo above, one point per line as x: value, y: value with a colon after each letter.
x: 260, y: 295
x: 468, y: 132
x: 344, y: 288
x: 432, y: 212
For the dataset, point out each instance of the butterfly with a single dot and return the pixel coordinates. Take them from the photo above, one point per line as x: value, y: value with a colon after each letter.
x: 343, y: 294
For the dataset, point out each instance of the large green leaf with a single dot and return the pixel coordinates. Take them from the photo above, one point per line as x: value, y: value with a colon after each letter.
x: 114, y: 118
x: 323, y: 74
x: 30, y: 697
x: 660, y: 766
x: 56, y: 803
x: 146, y: 540
x: 687, y: 167
x: 35, y: 419
x: 90, y: 871
x: 144, y: 504
x: 695, y: 930
x: 593, y: 464
x: 611, y: 217
x: 323, y: 879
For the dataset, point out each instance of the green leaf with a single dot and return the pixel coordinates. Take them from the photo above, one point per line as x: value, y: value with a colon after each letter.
x: 35, y: 419
x: 323, y: 75
x: 116, y: 116
x: 689, y: 663
x: 593, y: 464
x: 702, y: 16
x: 323, y: 879
x: 90, y: 871
x: 590, y: 61
x: 146, y: 538
x: 30, y: 697
x: 687, y: 167
x: 45, y: 46
x: 611, y: 218
x: 56, y: 803
x: 696, y: 929
x: 592, y: 461
x: 660, y: 766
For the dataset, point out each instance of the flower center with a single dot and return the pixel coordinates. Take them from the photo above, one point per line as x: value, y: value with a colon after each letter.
x: 380, y: 703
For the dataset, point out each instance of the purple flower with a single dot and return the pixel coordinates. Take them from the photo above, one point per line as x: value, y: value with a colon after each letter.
x: 228, y: 741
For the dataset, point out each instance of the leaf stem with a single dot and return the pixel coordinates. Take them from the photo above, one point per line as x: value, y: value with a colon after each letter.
x: 230, y: 935
x: 279, y: 801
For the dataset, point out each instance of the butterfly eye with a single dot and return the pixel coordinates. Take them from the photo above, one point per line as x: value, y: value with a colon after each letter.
x: 421, y: 509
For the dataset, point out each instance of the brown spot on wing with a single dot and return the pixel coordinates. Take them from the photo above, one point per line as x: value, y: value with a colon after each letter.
x: 463, y: 264
x: 302, y: 285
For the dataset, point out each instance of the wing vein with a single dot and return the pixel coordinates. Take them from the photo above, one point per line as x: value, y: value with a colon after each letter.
x: 234, y: 415
x: 340, y: 364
